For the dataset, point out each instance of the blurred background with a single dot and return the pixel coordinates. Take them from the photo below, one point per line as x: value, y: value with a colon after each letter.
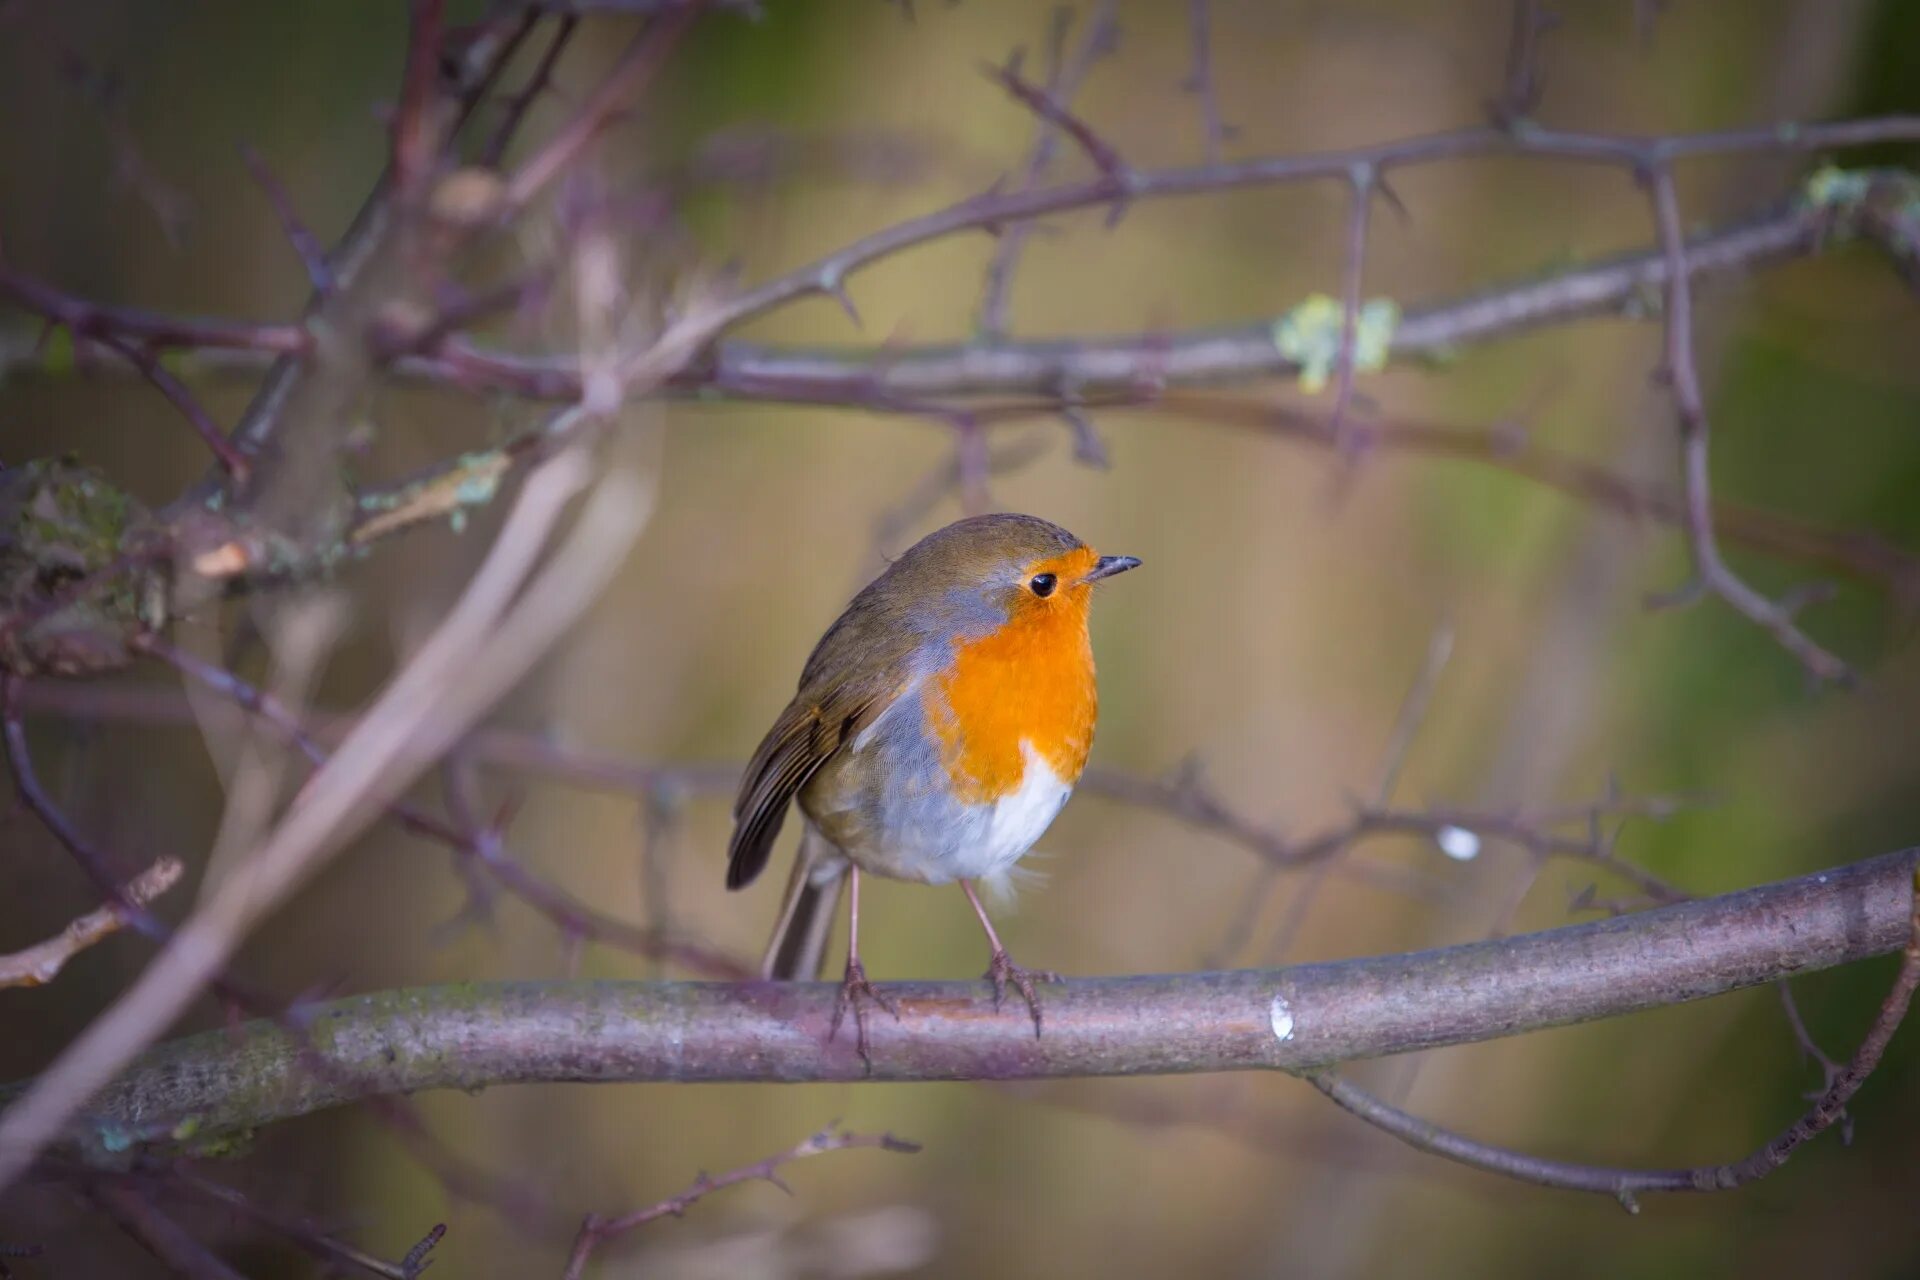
x: 1287, y: 605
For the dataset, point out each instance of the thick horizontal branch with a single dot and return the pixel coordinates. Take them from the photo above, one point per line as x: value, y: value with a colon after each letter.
x: 1295, y: 1019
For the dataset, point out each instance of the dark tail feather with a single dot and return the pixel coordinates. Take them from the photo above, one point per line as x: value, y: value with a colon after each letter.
x: 799, y: 944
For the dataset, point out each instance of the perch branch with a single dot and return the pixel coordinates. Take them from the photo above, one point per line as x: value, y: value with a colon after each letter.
x: 1298, y: 1019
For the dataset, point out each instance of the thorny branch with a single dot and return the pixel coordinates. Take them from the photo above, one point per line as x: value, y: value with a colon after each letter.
x: 458, y: 1177
x: 1067, y: 71
x: 1184, y: 795
x: 1711, y: 574
x: 597, y: 1231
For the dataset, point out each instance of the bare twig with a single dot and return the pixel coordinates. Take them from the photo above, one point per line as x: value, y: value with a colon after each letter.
x: 1200, y: 81
x: 135, y: 1213
x: 1114, y: 171
x: 308, y: 1235
x: 514, y: 110
x: 1067, y: 71
x: 597, y: 1231
x: 40, y: 964
x: 1711, y: 574
x: 1362, y: 182
x: 635, y: 69
x: 1526, y: 74
x: 230, y: 458
x: 312, y: 254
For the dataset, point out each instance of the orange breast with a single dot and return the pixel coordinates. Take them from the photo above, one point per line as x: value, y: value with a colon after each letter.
x: 1029, y: 682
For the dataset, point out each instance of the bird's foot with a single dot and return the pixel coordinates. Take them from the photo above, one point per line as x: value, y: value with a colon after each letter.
x: 855, y: 991
x: 1003, y: 971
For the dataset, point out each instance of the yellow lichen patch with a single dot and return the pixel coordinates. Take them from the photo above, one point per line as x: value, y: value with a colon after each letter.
x: 1031, y: 681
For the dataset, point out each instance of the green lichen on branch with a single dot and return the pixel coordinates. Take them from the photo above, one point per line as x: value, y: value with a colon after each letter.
x: 1881, y: 205
x: 470, y: 481
x: 75, y: 586
x: 1312, y: 334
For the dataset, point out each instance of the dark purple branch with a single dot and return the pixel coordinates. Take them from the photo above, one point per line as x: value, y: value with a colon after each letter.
x: 1711, y: 574
x: 1106, y: 158
x: 308, y: 1235
x: 1200, y: 80
x: 89, y: 320
x: 416, y: 134
x: 514, y: 110
x: 231, y: 460
x: 994, y: 210
x: 1362, y: 181
x: 1066, y: 72
x: 636, y: 67
x: 469, y: 838
x: 312, y: 254
x: 1526, y: 76
x: 134, y: 1212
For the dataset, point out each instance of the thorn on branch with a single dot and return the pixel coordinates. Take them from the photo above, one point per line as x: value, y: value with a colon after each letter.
x: 1526, y: 73
x: 306, y: 245
x: 1088, y: 448
x: 832, y: 282
x: 596, y: 1230
x: 1105, y: 157
x: 1200, y: 81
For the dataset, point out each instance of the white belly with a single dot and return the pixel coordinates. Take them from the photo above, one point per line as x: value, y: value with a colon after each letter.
x: 1001, y: 832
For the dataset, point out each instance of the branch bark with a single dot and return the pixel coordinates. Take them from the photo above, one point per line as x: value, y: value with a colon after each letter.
x: 1296, y: 1019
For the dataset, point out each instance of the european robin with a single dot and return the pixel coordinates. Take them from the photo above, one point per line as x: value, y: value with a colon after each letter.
x: 939, y: 727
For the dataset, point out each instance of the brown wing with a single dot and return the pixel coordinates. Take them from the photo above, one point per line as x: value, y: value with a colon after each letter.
x: 845, y: 687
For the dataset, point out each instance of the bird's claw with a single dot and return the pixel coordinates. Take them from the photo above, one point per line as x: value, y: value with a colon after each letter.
x: 1003, y: 971
x: 855, y: 989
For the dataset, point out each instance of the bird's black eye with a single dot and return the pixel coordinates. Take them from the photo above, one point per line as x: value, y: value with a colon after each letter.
x: 1042, y: 584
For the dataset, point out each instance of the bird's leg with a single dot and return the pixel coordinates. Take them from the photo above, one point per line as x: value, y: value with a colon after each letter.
x: 854, y: 988
x: 1003, y: 970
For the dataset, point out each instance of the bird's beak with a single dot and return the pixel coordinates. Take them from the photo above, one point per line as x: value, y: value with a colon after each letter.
x: 1107, y: 566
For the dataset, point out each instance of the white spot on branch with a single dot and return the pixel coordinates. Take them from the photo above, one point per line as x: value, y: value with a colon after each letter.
x: 1281, y: 1015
